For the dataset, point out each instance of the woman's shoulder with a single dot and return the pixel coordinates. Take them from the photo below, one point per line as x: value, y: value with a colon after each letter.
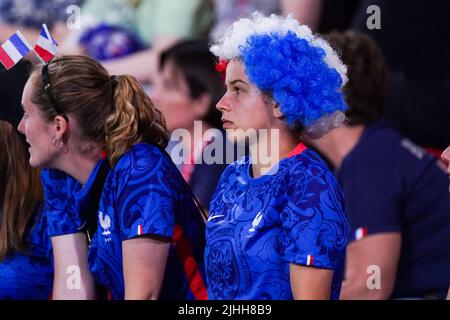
x: 38, y: 240
x: 58, y: 182
x: 146, y: 163
x: 236, y: 166
x: 307, y: 166
x: 142, y: 155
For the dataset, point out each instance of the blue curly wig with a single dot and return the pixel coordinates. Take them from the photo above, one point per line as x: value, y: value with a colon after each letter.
x: 299, y: 70
x: 295, y: 75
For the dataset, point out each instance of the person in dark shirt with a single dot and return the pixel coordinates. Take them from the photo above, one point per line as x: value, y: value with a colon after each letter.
x: 413, y: 37
x: 396, y: 194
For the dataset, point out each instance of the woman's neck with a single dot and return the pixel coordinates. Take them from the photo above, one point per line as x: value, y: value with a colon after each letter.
x: 271, y: 148
x: 79, y: 166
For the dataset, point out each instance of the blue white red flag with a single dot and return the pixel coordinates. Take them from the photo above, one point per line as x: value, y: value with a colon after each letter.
x: 46, y: 46
x: 14, y: 49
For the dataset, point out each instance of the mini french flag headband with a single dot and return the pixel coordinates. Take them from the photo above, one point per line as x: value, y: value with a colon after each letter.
x: 48, y: 90
x: 13, y: 50
x: 17, y: 47
x: 46, y: 46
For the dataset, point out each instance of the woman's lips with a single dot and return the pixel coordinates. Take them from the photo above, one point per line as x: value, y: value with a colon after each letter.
x: 226, y: 124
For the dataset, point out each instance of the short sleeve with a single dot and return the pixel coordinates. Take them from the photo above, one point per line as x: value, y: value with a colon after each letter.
x: 146, y: 195
x: 315, y: 225
x: 372, y: 188
x: 59, y: 203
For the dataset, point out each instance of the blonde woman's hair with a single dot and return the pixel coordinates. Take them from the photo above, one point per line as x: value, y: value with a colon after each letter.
x: 113, y: 111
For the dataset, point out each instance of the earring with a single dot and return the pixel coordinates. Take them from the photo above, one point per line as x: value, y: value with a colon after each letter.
x: 56, y: 144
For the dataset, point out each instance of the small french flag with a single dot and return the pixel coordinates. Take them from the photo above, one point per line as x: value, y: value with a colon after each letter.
x: 360, y: 233
x: 14, y: 49
x: 140, y: 230
x: 309, y: 260
x: 45, y: 47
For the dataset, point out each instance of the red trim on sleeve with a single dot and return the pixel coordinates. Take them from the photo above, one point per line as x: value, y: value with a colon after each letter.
x: 190, y: 266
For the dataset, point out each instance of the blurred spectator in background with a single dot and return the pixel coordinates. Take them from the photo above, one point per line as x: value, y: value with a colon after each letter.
x: 130, y: 34
x: 319, y: 15
x: 228, y: 11
x: 396, y: 194
x: 414, y: 38
x: 26, y: 267
x: 29, y: 15
x: 322, y: 15
x: 187, y: 89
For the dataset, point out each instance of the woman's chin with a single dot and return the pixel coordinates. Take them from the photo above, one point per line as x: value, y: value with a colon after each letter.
x: 34, y: 162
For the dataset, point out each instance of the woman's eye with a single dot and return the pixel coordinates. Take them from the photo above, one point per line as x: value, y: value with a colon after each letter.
x: 237, y: 90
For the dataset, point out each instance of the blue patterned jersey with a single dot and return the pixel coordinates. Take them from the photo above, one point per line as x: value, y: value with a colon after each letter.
x: 257, y: 227
x: 29, y: 275
x: 143, y: 195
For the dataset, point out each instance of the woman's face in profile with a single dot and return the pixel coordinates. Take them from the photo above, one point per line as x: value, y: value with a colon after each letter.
x: 36, y: 130
x: 171, y: 95
x: 243, y: 106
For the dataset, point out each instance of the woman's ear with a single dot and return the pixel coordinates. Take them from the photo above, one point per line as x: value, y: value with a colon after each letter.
x: 60, y: 126
x: 277, y: 111
x: 271, y: 103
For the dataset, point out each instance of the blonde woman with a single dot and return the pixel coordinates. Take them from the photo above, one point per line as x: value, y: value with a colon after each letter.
x: 114, y: 183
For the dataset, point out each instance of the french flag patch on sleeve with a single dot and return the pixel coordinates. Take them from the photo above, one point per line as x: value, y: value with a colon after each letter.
x: 140, y: 230
x: 360, y: 233
x: 14, y: 49
x: 309, y: 260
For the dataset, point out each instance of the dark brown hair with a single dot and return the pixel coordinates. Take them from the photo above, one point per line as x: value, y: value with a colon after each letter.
x: 366, y: 89
x: 194, y: 61
x: 20, y: 191
x: 115, y: 112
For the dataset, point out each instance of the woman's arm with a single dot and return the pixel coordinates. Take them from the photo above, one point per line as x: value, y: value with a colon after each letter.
x: 72, y: 278
x: 309, y: 283
x: 381, y: 250
x: 144, y: 263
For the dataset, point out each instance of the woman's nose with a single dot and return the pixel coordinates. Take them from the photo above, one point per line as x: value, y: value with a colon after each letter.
x: 223, y: 104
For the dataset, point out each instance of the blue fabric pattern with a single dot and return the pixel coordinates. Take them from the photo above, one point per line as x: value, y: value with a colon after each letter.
x: 60, y: 209
x: 29, y: 275
x: 143, y: 195
x: 257, y: 227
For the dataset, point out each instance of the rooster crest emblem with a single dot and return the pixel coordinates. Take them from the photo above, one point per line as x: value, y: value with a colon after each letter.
x: 105, y: 223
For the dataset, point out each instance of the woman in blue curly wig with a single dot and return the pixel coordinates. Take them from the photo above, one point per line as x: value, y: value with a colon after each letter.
x: 277, y: 227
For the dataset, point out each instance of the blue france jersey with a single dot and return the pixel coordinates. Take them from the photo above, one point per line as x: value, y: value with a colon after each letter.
x: 257, y: 227
x: 29, y: 275
x: 143, y: 195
